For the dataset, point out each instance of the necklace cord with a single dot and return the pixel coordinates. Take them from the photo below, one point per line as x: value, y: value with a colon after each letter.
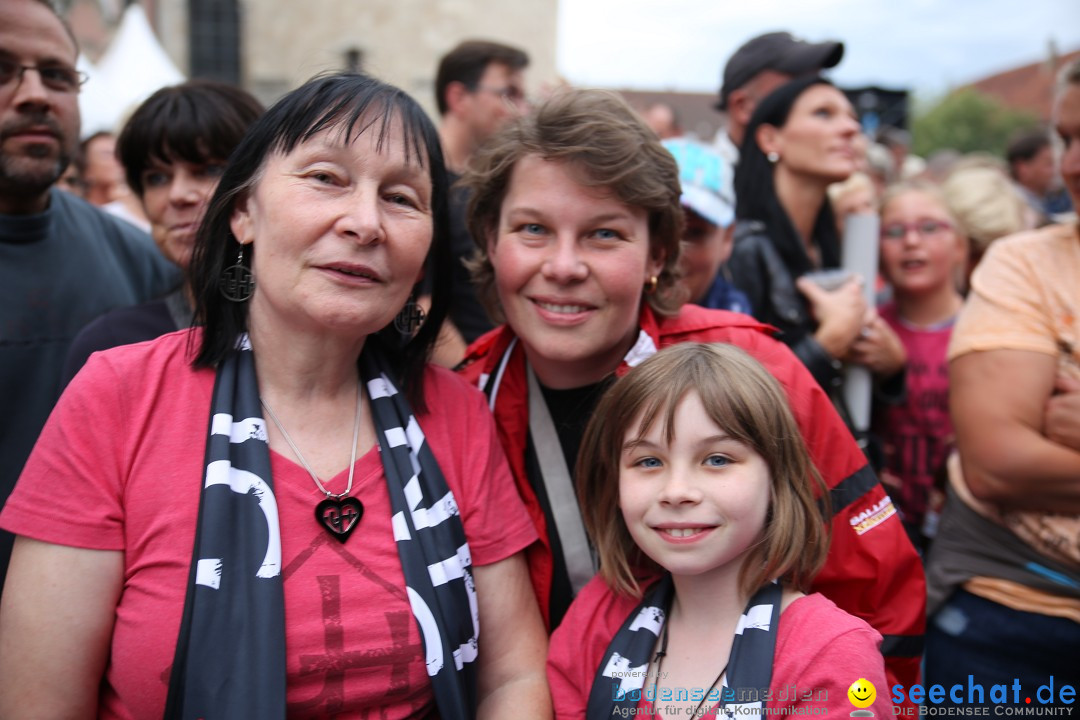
x: 659, y: 660
x: 304, y: 462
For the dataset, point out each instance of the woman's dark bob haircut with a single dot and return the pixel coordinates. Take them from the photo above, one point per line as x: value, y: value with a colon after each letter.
x: 354, y: 104
x: 199, y: 122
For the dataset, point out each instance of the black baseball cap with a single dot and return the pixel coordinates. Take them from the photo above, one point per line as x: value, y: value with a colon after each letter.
x: 778, y: 51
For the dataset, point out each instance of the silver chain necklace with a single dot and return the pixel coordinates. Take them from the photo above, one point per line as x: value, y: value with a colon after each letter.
x: 338, y: 513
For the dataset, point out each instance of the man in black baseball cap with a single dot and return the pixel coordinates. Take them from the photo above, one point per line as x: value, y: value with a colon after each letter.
x: 761, y: 65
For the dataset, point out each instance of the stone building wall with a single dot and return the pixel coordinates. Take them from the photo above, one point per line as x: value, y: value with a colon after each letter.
x: 400, y: 41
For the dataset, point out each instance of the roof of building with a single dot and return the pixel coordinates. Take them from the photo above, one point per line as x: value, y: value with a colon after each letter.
x: 1028, y: 87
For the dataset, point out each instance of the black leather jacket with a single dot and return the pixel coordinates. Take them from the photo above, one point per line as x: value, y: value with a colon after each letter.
x: 758, y: 270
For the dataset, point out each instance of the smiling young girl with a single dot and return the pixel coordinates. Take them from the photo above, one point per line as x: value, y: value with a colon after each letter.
x: 701, y: 500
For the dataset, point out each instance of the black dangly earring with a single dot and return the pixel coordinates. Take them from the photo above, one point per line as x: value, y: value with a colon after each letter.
x: 237, y: 282
x: 410, y: 317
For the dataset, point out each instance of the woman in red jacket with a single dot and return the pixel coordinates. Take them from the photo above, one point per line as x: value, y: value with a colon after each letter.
x: 576, y: 212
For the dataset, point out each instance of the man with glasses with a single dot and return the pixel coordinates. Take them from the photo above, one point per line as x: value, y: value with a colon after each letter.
x: 62, y: 261
x: 480, y: 85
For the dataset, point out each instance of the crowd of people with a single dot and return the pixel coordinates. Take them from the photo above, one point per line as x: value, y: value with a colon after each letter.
x: 541, y: 370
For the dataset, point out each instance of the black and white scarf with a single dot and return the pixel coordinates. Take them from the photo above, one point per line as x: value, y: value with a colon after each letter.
x: 230, y: 656
x: 626, y: 662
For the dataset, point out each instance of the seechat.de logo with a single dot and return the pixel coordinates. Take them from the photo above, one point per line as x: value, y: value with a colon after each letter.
x: 1051, y: 697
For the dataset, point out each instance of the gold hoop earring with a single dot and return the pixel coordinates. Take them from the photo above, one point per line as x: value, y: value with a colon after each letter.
x: 650, y: 287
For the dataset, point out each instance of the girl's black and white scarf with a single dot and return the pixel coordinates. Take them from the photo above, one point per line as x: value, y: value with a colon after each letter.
x: 619, y: 681
x: 230, y: 656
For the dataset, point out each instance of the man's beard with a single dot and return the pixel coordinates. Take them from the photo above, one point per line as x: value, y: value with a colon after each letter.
x: 38, y: 166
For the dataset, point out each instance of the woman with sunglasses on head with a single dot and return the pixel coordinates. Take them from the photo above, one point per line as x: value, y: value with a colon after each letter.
x: 183, y: 474
x: 576, y: 212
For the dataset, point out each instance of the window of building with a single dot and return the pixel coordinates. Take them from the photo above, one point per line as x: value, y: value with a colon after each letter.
x: 215, y: 39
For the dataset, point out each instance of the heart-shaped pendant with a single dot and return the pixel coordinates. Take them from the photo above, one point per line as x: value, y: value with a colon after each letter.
x: 339, y: 516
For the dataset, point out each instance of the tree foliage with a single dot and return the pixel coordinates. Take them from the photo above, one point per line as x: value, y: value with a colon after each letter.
x: 967, y: 120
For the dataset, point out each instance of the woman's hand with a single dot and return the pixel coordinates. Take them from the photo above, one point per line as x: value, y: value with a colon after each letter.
x: 1062, y: 416
x: 879, y: 348
x: 56, y: 623
x: 513, y: 643
x: 840, y: 313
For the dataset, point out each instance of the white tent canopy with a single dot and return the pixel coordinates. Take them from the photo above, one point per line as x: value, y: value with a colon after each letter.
x: 95, y: 99
x: 132, y: 68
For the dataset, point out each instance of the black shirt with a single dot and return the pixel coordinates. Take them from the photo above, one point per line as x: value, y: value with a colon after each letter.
x: 466, y: 312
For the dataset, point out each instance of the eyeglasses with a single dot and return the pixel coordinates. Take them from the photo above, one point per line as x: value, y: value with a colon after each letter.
x: 923, y: 228
x: 512, y: 95
x: 59, y: 78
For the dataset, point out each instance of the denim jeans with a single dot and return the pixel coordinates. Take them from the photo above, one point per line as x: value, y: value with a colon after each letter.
x: 996, y: 646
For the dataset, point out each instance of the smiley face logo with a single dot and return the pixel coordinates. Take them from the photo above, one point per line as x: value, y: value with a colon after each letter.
x: 862, y: 693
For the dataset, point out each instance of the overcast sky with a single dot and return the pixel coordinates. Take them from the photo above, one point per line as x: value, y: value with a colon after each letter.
x: 925, y: 45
